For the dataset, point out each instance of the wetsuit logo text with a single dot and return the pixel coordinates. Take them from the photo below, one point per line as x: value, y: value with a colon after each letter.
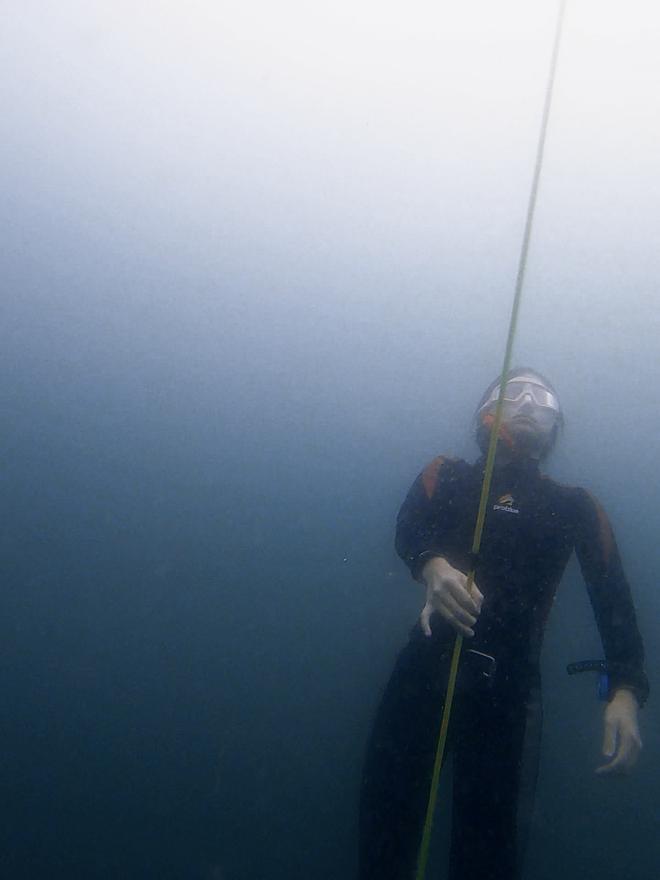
x: 505, y: 503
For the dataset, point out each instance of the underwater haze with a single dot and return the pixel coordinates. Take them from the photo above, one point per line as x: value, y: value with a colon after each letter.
x: 258, y: 262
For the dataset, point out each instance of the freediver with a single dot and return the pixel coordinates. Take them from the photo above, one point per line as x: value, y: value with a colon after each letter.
x: 533, y: 524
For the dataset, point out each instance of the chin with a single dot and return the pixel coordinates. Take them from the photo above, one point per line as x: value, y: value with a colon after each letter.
x: 527, y: 442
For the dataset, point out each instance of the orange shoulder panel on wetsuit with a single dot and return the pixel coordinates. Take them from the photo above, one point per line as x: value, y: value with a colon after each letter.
x: 605, y: 533
x: 430, y: 474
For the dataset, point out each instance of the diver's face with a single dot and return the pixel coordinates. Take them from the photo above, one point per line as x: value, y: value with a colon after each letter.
x: 530, y: 412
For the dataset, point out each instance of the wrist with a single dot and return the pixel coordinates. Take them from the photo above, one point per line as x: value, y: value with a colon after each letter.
x: 624, y: 694
x: 425, y: 559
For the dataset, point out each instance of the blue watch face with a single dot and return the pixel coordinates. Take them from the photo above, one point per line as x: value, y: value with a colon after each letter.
x: 603, y: 686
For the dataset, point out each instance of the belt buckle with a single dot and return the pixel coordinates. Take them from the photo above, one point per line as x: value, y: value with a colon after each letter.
x: 490, y: 663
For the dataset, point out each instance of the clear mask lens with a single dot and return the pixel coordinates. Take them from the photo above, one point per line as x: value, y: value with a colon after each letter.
x: 516, y: 391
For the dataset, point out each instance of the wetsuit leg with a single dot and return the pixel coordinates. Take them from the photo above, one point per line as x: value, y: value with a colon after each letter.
x: 399, y: 761
x: 496, y: 751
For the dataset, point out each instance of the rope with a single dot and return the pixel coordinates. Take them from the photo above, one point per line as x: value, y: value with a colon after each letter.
x: 492, y: 446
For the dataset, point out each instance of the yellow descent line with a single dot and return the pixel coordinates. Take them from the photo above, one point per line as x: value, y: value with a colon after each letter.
x: 492, y: 447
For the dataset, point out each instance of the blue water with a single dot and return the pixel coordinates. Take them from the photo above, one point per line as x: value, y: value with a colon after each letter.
x: 257, y: 267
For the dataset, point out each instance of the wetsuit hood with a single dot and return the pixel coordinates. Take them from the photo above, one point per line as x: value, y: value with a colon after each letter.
x: 551, y: 420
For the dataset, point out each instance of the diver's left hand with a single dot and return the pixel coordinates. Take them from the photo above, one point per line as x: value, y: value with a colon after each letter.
x: 622, y: 742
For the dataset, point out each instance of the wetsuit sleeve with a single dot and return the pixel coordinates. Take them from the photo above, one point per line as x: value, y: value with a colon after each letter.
x: 418, y: 525
x: 610, y: 597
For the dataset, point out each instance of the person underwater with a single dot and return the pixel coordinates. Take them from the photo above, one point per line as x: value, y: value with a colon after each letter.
x: 533, y: 525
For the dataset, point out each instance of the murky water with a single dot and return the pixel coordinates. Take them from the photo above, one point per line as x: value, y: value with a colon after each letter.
x: 257, y: 267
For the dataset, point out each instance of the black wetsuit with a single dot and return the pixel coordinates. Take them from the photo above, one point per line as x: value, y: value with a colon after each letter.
x: 532, y: 526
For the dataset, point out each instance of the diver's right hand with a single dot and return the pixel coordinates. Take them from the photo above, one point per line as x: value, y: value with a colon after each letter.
x: 447, y: 593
